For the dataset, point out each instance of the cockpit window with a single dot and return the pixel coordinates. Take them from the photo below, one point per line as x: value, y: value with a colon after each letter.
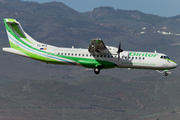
x: 164, y: 57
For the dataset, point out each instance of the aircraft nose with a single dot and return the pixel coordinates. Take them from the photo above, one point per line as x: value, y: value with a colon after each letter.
x: 174, y: 65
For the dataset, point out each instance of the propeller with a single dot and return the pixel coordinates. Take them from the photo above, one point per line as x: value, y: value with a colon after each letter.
x: 119, y: 50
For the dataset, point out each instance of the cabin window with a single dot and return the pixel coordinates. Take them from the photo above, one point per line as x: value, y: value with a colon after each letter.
x: 101, y: 55
x: 72, y: 54
x: 79, y: 54
x: 104, y: 55
x: 64, y: 53
x: 136, y: 57
x: 75, y: 54
x: 132, y: 57
x: 86, y: 55
x: 69, y: 54
x: 97, y: 55
x: 61, y: 53
x: 111, y: 56
x: 140, y: 58
x: 143, y: 58
x: 82, y: 54
x: 108, y: 56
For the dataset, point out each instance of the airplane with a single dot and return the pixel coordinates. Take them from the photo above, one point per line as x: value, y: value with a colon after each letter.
x: 97, y: 56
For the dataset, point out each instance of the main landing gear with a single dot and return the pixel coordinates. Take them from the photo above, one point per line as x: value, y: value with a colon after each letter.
x: 97, y: 69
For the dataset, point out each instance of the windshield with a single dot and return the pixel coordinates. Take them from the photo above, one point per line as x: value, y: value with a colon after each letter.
x: 165, y: 57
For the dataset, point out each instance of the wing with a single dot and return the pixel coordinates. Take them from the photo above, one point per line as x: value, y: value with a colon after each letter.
x: 97, y: 46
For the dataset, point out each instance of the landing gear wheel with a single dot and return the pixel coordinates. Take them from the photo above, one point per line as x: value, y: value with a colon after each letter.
x: 96, y: 70
x: 166, y: 74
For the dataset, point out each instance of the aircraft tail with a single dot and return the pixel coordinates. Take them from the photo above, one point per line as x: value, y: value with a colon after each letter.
x: 16, y: 34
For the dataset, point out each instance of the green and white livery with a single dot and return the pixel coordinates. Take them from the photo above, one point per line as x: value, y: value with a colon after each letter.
x: 97, y: 56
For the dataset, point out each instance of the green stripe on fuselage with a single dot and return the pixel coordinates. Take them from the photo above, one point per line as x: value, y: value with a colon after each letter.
x: 171, y: 60
x: 30, y: 54
x: 92, y: 63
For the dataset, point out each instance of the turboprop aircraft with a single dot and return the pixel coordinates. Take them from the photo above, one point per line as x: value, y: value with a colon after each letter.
x: 97, y: 56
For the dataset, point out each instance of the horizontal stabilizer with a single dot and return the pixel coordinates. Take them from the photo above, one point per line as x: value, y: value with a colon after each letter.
x: 14, y: 51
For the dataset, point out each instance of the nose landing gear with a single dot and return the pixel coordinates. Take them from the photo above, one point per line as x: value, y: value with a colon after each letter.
x: 165, y: 73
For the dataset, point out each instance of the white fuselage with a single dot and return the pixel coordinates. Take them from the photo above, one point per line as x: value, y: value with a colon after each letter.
x: 128, y: 59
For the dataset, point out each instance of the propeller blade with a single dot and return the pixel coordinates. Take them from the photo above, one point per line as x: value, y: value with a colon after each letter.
x: 119, y: 50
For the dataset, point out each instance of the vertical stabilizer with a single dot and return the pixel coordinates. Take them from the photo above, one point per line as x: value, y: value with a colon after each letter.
x: 16, y: 34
